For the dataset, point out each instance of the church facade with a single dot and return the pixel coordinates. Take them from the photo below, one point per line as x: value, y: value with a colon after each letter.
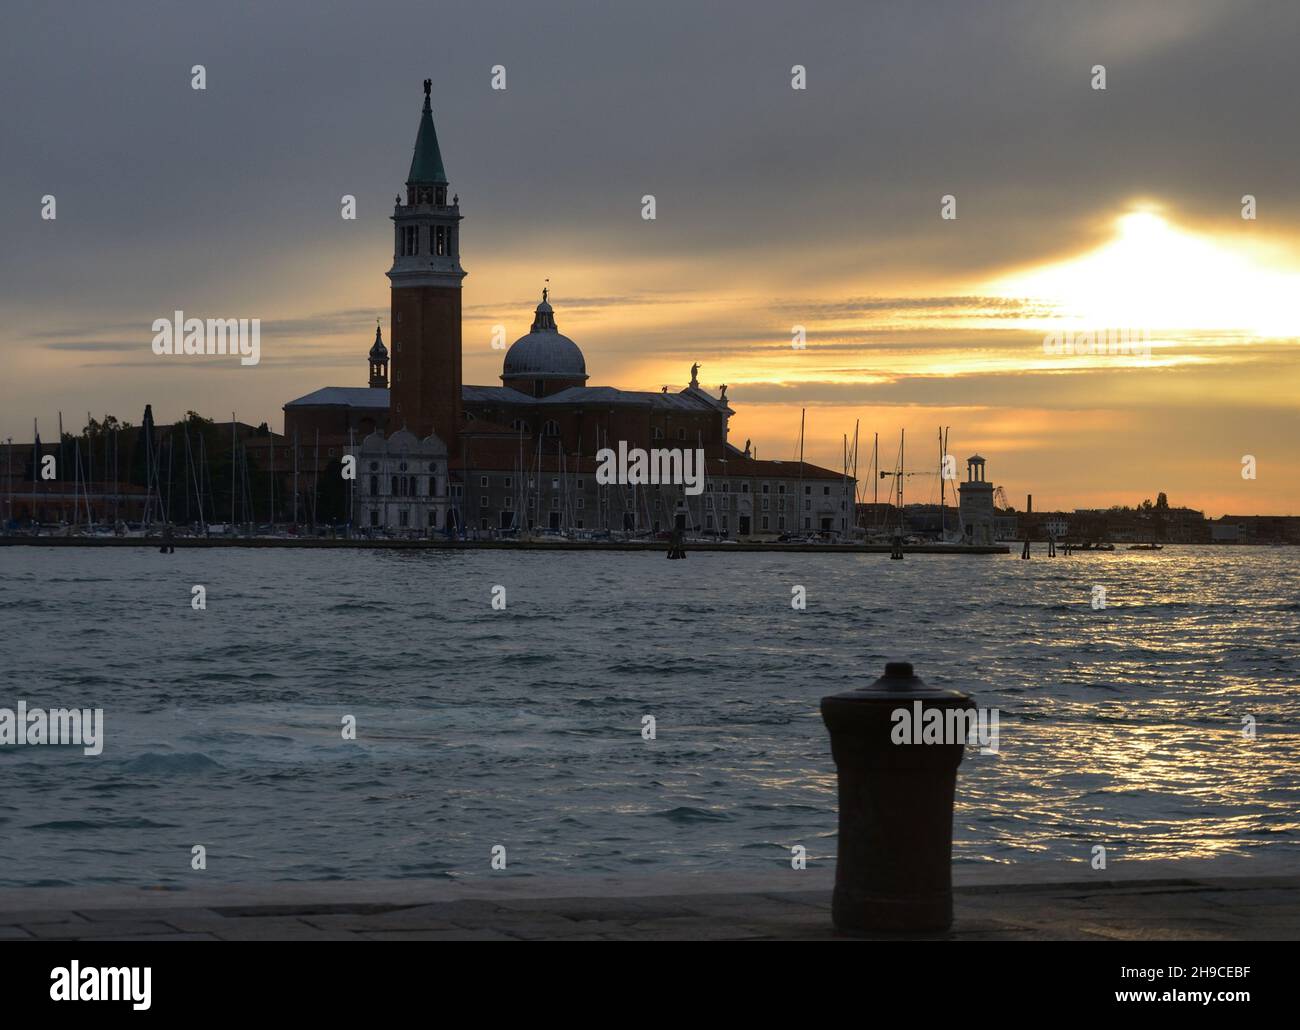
x: 436, y: 455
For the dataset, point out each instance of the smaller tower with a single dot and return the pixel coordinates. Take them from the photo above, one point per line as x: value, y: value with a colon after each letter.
x: 977, y: 513
x: 378, y: 361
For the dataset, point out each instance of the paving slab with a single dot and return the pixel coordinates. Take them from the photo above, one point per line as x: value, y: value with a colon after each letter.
x: 1165, y: 907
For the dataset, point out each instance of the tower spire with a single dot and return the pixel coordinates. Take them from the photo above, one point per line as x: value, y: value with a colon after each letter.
x: 426, y: 162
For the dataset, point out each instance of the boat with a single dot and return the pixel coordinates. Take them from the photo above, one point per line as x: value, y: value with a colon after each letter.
x: 1145, y: 547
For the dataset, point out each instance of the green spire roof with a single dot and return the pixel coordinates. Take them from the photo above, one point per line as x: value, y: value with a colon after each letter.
x: 426, y: 165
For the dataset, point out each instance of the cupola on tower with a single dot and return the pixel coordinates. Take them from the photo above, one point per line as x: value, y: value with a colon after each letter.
x: 425, y: 384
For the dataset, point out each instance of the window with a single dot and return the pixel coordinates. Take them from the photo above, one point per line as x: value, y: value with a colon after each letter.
x: 744, y: 488
x: 780, y: 488
x: 765, y: 488
x: 555, y: 484
x: 552, y: 428
x: 394, y: 485
x: 510, y: 501
x: 581, y: 505
x: 374, y: 517
x: 403, y: 518
x: 374, y: 484
x: 780, y: 522
x: 681, y: 433
x: 807, y: 504
x: 482, y: 523
x: 483, y: 481
x: 765, y: 519
x: 826, y: 491
x: 807, y: 489
x: 766, y: 501
x: 482, y: 501
x: 509, y: 482
x: 519, y: 426
x: 708, y: 521
x: 555, y: 501
x: 433, y: 486
x: 433, y: 518
x: 656, y: 433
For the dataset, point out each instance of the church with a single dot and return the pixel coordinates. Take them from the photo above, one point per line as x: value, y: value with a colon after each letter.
x: 438, y: 456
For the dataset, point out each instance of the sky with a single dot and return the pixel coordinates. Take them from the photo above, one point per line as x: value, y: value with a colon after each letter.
x: 1115, y: 213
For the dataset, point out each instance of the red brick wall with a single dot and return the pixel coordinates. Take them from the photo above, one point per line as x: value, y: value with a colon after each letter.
x: 424, y: 380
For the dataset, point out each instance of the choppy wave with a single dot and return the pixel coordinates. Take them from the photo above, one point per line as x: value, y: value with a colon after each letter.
x: 527, y: 727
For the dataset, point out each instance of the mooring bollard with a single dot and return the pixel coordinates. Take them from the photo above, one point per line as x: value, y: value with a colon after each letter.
x: 894, y: 867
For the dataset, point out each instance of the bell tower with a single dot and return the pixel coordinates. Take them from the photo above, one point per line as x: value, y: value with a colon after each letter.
x: 378, y: 361
x: 424, y: 385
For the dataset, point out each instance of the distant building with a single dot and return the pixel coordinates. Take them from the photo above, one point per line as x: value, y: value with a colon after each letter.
x: 522, y: 455
x: 403, y: 482
x: 1256, y: 529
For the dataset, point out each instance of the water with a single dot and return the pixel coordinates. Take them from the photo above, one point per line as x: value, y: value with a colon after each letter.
x: 522, y: 727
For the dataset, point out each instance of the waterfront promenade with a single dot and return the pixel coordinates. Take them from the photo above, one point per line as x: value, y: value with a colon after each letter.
x: 1157, y: 903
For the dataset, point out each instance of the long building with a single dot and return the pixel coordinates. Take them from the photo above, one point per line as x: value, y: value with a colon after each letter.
x: 435, y: 454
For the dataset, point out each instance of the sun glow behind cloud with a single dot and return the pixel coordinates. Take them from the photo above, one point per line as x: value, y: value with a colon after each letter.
x: 1162, y: 278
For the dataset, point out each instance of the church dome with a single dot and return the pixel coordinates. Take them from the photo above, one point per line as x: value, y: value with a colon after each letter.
x: 544, y: 353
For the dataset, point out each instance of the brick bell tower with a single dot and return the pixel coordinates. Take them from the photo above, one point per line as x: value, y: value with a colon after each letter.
x: 424, y: 387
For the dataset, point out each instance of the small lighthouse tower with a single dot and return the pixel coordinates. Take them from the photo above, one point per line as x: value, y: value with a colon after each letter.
x: 977, y: 512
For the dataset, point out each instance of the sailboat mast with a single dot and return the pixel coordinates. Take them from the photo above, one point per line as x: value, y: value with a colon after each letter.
x: 798, y: 501
x: 942, y: 484
x: 902, y: 465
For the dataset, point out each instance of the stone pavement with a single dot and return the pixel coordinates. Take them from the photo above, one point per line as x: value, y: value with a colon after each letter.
x: 1240, y: 907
